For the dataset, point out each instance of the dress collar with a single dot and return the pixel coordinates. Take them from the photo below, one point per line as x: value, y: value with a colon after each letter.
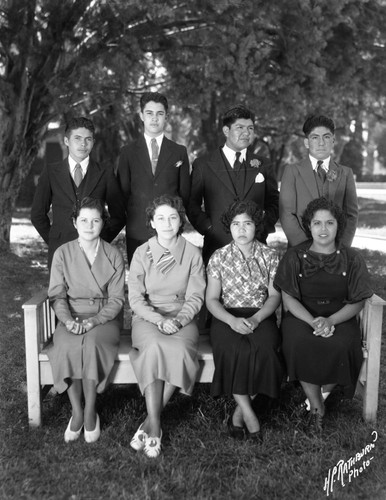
x: 158, y: 250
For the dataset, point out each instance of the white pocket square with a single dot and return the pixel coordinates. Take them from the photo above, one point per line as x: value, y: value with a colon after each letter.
x: 259, y: 178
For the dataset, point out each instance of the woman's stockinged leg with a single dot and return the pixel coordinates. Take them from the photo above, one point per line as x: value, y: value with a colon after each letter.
x: 154, y: 394
x: 250, y: 419
x: 89, y: 391
x: 314, y: 395
x: 75, y: 395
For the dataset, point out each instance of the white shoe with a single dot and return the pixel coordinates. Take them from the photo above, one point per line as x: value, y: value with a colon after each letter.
x: 138, y: 440
x: 92, y: 436
x: 70, y: 435
x: 153, y: 446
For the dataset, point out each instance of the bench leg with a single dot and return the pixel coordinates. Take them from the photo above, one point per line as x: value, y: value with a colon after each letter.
x: 370, y: 400
x: 33, y: 369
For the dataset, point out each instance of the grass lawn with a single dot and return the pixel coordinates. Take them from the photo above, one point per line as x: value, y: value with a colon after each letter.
x: 199, y: 460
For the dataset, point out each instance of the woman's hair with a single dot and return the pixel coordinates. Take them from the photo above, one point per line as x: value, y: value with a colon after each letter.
x: 170, y: 201
x: 323, y: 204
x: 244, y: 207
x: 88, y: 202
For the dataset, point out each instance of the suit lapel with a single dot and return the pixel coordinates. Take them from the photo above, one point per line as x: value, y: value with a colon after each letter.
x: 217, y: 164
x: 333, y: 184
x: 63, y: 178
x: 94, y: 173
x: 164, y: 155
x: 250, y: 172
x: 142, y: 157
x: 308, y: 176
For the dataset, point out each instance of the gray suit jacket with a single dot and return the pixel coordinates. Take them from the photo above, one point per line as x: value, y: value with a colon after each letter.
x: 299, y: 187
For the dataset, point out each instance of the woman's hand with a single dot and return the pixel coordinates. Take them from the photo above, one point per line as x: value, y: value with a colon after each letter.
x: 90, y: 323
x: 169, y: 326
x: 241, y: 325
x: 73, y: 326
x: 323, y: 327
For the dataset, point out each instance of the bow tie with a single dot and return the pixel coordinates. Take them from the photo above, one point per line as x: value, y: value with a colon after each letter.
x: 334, y: 263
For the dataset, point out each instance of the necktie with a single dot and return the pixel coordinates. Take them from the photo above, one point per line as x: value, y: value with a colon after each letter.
x: 78, y: 176
x: 237, y: 163
x: 321, y: 171
x: 165, y: 263
x: 154, y: 155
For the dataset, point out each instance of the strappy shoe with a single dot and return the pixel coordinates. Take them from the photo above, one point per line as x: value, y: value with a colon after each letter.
x: 152, y: 448
x: 70, y: 435
x: 138, y: 440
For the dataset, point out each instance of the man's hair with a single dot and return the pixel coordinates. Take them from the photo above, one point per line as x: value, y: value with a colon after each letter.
x: 88, y: 202
x: 171, y: 201
x: 248, y: 207
x: 323, y: 204
x: 314, y: 121
x: 79, y: 122
x: 153, y: 97
x: 234, y: 113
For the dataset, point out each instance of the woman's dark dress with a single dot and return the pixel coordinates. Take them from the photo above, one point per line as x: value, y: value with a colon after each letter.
x: 245, y: 364
x: 323, y: 284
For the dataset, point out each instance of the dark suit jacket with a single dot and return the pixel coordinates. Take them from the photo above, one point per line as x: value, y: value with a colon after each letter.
x: 299, y: 187
x: 55, y: 189
x: 140, y: 186
x: 211, y: 184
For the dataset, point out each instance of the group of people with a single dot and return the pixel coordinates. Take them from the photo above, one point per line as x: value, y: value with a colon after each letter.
x: 231, y: 197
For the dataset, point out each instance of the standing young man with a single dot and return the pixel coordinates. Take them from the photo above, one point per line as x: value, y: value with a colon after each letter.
x: 62, y: 184
x: 149, y: 167
x: 317, y: 175
x: 231, y: 173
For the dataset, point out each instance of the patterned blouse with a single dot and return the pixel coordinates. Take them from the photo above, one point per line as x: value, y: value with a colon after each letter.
x: 244, y: 282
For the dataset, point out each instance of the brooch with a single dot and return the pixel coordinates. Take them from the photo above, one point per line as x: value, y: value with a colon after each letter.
x: 178, y: 164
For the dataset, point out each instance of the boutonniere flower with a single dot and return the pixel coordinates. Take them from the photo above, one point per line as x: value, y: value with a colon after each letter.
x: 331, y: 175
x: 255, y: 163
x: 178, y: 164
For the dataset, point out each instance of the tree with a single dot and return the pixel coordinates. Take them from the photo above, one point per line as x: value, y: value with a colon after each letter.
x: 57, y: 55
x: 283, y: 59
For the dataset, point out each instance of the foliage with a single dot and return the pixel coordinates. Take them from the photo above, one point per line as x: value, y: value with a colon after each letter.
x: 284, y: 59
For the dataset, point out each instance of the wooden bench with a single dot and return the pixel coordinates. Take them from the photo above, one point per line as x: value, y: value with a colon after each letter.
x: 39, y: 325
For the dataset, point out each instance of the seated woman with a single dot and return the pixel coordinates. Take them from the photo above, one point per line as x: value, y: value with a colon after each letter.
x: 244, y: 334
x: 87, y: 291
x: 324, y: 287
x: 166, y: 291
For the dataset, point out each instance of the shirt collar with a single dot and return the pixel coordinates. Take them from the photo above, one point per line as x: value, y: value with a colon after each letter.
x: 159, y: 140
x: 84, y: 164
x: 230, y: 154
x: 314, y: 163
x: 157, y: 250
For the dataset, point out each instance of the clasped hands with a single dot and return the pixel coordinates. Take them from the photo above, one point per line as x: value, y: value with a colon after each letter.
x: 78, y: 328
x: 323, y: 327
x: 169, y: 326
x: 244, y: 326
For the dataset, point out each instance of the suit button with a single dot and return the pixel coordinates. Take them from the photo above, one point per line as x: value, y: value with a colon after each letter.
x: 91, y: 302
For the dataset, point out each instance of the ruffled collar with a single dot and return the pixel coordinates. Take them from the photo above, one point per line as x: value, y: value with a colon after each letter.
x: 312, y: 262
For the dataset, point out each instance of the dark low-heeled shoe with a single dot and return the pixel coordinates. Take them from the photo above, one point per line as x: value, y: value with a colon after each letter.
x: 256, y: 437
x: 235, y: 431
x: 315, y: 422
